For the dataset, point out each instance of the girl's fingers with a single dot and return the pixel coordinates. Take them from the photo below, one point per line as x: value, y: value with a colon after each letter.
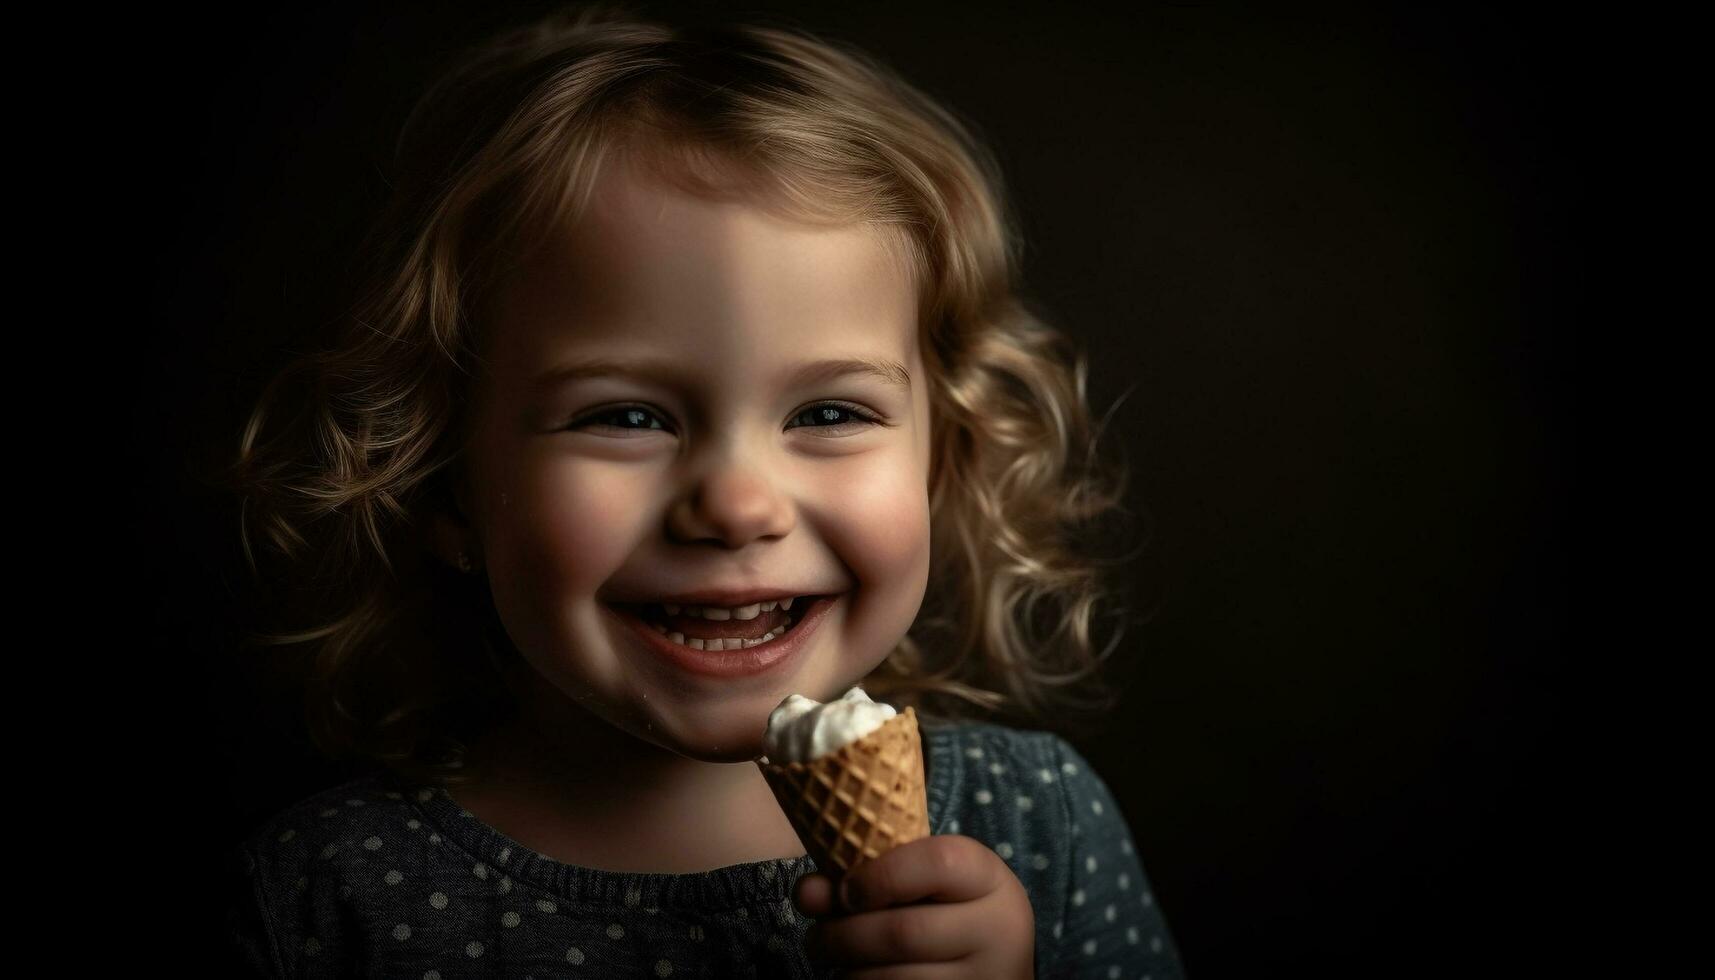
x: 942, y: 868
x: 931, y: 933
x: 814, y: 895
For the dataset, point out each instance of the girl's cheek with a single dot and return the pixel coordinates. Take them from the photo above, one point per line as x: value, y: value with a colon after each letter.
x: 571, y: 524
x: 879, y: 519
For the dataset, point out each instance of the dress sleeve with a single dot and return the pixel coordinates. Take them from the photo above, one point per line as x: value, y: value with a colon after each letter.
x: 1109, y: 924
x: 250, y: 947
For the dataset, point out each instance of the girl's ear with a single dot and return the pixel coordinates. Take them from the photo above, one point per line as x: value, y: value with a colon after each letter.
x: 451, y: 532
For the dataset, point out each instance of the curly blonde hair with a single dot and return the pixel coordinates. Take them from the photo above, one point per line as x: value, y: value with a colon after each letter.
x: 347, y: 451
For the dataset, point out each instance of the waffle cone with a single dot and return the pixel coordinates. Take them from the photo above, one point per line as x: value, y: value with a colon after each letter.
x: 858, y: 801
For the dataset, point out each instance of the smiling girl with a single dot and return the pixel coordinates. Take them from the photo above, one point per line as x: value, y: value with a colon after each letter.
x: 690, y: 374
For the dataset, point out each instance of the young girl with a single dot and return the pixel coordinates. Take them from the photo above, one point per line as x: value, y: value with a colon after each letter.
x: 690, y: 374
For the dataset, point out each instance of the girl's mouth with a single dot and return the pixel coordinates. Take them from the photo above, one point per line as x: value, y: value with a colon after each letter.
x: 765, y: 643
x: 689, y: 628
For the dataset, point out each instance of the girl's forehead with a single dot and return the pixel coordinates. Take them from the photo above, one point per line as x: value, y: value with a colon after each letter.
x: 646, y: 255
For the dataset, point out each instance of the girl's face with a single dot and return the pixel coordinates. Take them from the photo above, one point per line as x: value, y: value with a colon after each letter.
x: 701, y: 456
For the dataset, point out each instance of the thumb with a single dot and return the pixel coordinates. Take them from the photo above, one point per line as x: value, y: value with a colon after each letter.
x: 814, y: 895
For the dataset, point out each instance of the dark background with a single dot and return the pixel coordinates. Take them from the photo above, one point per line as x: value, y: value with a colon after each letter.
x: 1326, y: 254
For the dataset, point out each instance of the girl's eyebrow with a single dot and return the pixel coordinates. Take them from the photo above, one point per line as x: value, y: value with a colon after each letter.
x: 886, y: 370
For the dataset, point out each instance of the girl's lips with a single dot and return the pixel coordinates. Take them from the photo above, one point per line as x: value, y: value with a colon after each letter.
x: 730, y: 663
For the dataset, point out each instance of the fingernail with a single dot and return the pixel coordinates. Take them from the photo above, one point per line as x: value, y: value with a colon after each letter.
x: 852, y: 894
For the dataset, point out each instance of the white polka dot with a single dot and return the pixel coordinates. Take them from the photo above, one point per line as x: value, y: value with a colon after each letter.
x: 312, y: 946
x: 1089, y: 947
x: 663, y: 968
x: 481, y: 870
x: 1124, y: 881
x: 1112, y: 913
x: 1113, y: 973
x: 767, y: 872
x: 1096, y: 807
x: 1047, y: 775
x: 1026, y: 803
x: 1125, y: 846
x: 473, y: 949
x: 424, y: 796
x: 953, y: 827
x: 413, y: 824
x: 393, y: 796
x: 634, y: 896
x: 1148, y: 900
x: 353, y: 802
x: 616, y: 931
x: 984, y: 797
x: 401, y: 932
x: 372, y: 843
x: 466, y: 813
x: 330, y: 850
x: 438, y: 900
x: 996, y: 768
x: 288, y: 835
x: 543, y: 905
x: 505, y: 854
x: 1057, y: 927
x: 1155, y: 944
x: 1131, y: 934
x: 332, y: 811
x: 434, y: 838
x: 432, y: 975
x: 974, y: 752
x: 1090, y: 864
x: 1068, y: 769
x: 509, y: 920
x: 1003, y: 849
x: 574, y: 955
x: 1078, y: 897
x: 1039, y: 862
x: 505, y: 884
x: 393, y: 877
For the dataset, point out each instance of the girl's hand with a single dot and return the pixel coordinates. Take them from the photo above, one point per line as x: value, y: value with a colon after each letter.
x: 943, y: 906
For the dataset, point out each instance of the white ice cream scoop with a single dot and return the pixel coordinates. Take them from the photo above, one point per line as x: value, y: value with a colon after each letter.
x: 802, y: 729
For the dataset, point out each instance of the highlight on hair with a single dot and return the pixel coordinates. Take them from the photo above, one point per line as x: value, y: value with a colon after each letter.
x: 349, y: 448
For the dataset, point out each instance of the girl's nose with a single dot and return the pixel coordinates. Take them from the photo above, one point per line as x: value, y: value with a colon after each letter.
x: 734, y: 505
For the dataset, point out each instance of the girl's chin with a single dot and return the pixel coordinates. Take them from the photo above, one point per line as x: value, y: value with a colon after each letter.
x: 713, y: 740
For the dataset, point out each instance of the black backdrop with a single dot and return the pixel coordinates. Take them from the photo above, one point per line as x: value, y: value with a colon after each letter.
x: 1324, y: 253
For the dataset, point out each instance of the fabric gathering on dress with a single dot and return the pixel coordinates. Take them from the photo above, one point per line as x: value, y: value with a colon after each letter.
x: 375, y: 878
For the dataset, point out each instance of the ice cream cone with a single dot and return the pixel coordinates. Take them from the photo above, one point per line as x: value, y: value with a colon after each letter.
x: 862, y: 799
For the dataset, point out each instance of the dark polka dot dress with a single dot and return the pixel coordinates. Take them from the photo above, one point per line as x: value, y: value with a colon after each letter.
x: 375, y: 878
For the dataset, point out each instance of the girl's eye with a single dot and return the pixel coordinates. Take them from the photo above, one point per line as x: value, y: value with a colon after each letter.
x: 822, y: 415
x: 634, y: 417
x: 826, y: 415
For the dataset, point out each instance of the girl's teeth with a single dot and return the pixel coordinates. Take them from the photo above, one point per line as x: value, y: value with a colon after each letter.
x: 731, y: 643
x: 751, y: 611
